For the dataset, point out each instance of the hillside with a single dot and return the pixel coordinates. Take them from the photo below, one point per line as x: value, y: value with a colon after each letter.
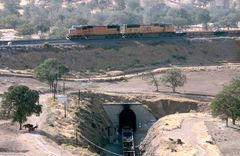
x: 172, y: 3
x: 105, y: 56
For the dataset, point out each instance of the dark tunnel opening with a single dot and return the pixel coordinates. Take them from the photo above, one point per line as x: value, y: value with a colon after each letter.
x: 127, y: 118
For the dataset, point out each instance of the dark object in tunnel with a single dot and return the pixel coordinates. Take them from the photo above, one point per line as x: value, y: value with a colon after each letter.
x: 127, y: 118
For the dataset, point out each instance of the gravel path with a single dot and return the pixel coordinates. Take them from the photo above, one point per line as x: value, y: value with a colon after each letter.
x: 194, y: 132
x: 186, y: 134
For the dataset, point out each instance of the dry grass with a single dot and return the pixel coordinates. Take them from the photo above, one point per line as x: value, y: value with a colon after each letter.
x: 129, y: 56
x: 169, y: 123
x: 65, y: 128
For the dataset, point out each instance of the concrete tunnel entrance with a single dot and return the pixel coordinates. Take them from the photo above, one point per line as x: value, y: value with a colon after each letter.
x: 127, y: 118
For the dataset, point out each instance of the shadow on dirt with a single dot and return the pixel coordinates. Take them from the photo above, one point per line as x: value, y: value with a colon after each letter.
x: 11, y: 150
x: 236, y: 128
x: 58, y: 139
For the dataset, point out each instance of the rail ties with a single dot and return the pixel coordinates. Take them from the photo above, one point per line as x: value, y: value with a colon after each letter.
x: 128, y: 142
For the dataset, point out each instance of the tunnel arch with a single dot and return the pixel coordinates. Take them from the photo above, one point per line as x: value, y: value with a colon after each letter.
x: 127, y: 118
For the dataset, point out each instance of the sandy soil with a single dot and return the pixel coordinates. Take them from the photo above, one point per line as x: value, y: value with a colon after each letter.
x: 225, y: 137
x: 6, y: 82
x: 202, y: 82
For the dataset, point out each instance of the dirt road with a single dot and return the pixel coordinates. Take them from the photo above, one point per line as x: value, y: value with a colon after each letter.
x: 227, y: 138
x: 18, y: 143
x: 191, y: 132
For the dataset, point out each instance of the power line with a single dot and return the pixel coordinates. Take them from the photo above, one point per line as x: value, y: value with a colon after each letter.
x: 99, y: 146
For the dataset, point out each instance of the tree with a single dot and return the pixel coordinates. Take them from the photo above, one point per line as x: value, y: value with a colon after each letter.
x: 133, y: 4
x: 151, y: 78
x: 227, y: 103
x: 51, y: 71
x: 12, y: 6
x: 123, y: 17
x: 19, y: 102
x: 58, y: 33
x: 11, y: 21
x: 37, y: 16
x: 201, y: 16
x: 26, y: 29
x: 179, y: 17
x: 174, y: 78
x: 121, y: 5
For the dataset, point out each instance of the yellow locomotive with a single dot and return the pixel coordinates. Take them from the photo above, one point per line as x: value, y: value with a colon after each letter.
x: 88, y: 31
x: 147, y: 30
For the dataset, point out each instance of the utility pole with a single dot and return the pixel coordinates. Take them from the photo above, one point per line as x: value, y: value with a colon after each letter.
x: 65, y: 110
x: 63, y: 86
x: 79, y: 98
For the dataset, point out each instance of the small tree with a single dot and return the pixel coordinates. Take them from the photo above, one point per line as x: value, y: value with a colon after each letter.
x: 51, y: 71
x: 26, y: 30
x: 18, y: 103
x: 227, y: 103
x: 174, y: 78
x: 151, y: 78
x: 202, y: 16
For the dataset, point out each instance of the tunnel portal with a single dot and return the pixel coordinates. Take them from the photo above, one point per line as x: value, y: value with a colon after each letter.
x: 127, y: 118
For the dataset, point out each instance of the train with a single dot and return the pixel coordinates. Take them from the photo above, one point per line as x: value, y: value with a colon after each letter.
x: 137, y: 30
x: 128, y: 141
x: 120, y: 31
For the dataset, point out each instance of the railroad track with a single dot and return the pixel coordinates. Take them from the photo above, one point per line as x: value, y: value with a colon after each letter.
x: 128, y: 142
x: 38, y: 42
x: 35, y: 42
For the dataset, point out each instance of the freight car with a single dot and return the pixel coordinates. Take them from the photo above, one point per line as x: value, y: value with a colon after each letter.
x: 218, y: 33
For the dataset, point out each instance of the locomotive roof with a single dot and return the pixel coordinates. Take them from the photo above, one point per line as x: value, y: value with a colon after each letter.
x: 90, y: 26
x: 117, y: 25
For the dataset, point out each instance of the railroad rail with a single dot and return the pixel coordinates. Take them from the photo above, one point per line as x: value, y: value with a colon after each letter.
x: 34, y: 42
x: 59, y: 42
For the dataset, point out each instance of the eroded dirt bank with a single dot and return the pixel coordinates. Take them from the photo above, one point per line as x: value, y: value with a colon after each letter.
x: 127, y: 56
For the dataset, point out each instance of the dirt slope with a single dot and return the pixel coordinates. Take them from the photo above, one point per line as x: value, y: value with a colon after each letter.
x: 161, y: 139
x: 127, y: 55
